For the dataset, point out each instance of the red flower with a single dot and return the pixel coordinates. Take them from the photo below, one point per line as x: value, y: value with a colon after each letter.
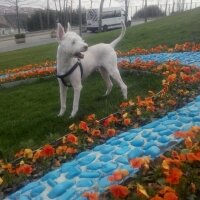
x: 48, y: 150
x: 127, y: 121
x: 118, y: 175
x: 72, y: 138
x: 83, y: 125
x: 136, y: 162
x: 111, y: 132
x: 119, y: 191
x: 174, y: 176
x: 24, y: 169
x: 91, y: 195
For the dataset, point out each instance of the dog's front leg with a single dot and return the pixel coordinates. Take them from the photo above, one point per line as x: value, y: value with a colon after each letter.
x: 77, y: 91
x: 63, y: 96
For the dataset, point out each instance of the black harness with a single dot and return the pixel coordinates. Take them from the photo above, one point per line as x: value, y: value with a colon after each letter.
x: 77, y: 64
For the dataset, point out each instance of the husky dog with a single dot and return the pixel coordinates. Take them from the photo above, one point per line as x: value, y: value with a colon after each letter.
x: 76, y: 61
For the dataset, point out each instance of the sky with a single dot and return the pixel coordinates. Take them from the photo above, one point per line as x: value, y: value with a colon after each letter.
x: 86, y: 3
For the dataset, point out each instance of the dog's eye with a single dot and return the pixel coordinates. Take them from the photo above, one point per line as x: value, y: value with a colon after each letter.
x: 73, y: 42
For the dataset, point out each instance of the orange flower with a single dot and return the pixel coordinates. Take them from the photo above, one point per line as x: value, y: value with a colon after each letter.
x: 38, y: 154
x: 171, y: 78
x: 127, y: 121
x: 61, y: 150
x: 136, y: 162
x: 192, y: 157
x: 111, y: 132
x: 174, y: 176
x: 48, y: 150
x: 71, y: 150
x: 91, y: 195
x: 118, y: 175
x: 95, y: 132
x: 91, y: 117
x: 119, y: 191
x: 24, y: 169
x: 72, y: 138
x: 170, y: 196
x: 109, y: 120
x: 83, y: 126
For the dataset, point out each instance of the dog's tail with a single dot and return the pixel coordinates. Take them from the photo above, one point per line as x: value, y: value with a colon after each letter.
x: 117, y: 40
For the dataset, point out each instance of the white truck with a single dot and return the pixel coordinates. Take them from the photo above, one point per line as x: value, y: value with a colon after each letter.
x: 111, y: 18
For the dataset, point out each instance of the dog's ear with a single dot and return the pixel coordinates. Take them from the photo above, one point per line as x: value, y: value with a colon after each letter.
x: 60, y: 32
x: 69, y: 27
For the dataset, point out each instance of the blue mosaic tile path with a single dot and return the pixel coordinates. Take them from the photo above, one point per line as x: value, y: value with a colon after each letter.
x: 89, y: 171
x: 187, y: 58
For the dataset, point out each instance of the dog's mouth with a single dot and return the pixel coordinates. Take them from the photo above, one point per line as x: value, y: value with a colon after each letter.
x: 79, y: 55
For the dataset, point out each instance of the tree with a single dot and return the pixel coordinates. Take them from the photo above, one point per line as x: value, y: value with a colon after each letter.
x: 17, y: 4
x: 126, y: 2
x: 100, y: 14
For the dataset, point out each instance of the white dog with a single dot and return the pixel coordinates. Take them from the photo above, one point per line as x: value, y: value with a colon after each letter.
x: 70, y: 70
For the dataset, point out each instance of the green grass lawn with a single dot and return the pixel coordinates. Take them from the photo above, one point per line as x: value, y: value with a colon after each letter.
x: 28, y: 112
x: 178, y: 28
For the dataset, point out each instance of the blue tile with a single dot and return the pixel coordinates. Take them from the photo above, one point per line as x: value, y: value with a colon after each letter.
x: 95, y: 165
x: 123, y: 160
x: 73, y: 171
x: 105, y: 158
x: 137, y: 142
x: 88, y: 174
x: 59, y: 189
x: 84, y: 183
x: 37, y: 190
x: 137, y: 152
x: 153, y: 151
x: 107, y: 149
x: 109, y: 167
x: 51, y: 175
x: 122, y: 151
x: 87, y: 160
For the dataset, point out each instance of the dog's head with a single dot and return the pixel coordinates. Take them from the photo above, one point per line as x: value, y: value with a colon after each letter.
x: 70, y: 42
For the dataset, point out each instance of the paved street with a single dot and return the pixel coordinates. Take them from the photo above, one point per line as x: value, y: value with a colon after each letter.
x: 35, y: 39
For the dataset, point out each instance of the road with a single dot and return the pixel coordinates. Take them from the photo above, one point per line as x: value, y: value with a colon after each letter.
x: 35, y: 39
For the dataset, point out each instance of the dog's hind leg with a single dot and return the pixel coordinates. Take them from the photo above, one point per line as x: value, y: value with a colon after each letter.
x: 117, y: 77
x: 63, y: 96
x: 107, y: 80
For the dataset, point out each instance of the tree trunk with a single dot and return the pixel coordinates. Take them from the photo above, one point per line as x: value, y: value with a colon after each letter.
x: 126, y: 12
x: 80, y: 18
x: 100, y: 15
x: 145, y: 11
x: 56, y: 10
x: 17, y: 12
x: 61, y: 21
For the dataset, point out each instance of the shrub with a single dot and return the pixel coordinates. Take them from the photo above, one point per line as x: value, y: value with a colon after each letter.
x: 151, y: 11
x: 20, y: 35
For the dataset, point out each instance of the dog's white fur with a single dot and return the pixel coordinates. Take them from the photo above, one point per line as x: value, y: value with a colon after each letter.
x: 101, y: 57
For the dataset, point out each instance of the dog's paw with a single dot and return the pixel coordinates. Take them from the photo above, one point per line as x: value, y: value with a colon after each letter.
x: 60, y: 114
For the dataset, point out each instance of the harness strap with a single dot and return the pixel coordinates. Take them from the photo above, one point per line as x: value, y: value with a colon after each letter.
x: 78, y: 63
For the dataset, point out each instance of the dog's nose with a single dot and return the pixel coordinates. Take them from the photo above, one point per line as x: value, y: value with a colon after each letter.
x: 85, y: 47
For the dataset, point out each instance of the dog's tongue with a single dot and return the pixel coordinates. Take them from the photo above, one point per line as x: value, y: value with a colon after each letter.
x: 79, y: 55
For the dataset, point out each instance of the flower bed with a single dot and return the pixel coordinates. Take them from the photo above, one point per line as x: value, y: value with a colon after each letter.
x: 173, y: 176
x: 28, y: 71
x: 180, y: 85
x: 187, y: 46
